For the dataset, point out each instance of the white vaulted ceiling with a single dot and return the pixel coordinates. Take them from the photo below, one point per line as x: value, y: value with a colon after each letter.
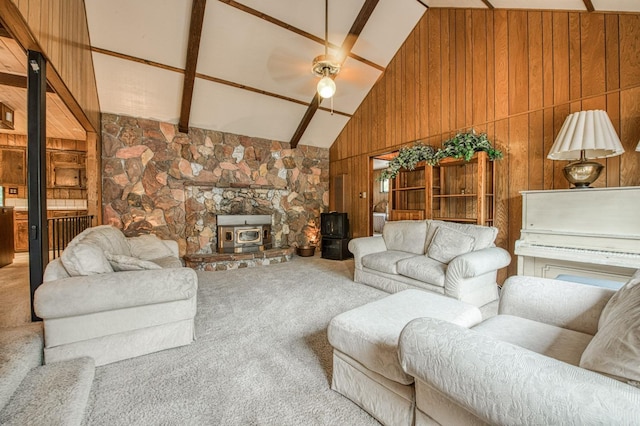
x: 253, y: 76
x: 253, y: 73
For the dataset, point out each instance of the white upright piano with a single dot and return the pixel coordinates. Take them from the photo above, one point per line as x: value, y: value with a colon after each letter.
x: 592, y: 232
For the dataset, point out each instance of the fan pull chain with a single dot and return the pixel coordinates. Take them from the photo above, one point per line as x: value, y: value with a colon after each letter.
x: 332, y: 105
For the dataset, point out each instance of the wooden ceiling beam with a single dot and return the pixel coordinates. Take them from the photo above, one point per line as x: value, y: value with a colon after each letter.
x: 357, y: 27
x: 193, y: 47
x: 589, y: 5
x: 298, y: 31
x: 15, y: 80
x: 488, y: 4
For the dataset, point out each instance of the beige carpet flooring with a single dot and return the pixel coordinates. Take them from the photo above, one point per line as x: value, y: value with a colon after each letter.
x: 261, y: 356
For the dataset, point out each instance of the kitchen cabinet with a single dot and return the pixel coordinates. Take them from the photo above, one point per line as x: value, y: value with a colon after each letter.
x: 6, y: 236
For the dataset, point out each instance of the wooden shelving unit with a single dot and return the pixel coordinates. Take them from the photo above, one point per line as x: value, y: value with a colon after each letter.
x: 408, y: 197
x: 454, y: 190
x: 462, y: 191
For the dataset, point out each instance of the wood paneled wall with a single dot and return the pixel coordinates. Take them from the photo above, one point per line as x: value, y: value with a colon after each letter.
x: 60, y: 30
x: 513, y: 74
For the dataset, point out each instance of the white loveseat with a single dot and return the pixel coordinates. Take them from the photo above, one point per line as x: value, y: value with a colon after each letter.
x: 111, y: 298
x: 457, y: 260
x: 548, y: 358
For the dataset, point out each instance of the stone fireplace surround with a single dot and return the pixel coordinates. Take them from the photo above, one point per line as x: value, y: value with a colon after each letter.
x: 158, y: 180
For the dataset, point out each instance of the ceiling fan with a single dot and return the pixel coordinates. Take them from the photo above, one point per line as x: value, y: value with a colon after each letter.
x: 326, y: 66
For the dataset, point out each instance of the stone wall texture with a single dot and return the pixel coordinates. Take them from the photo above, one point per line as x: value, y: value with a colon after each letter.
x: 156, y: 179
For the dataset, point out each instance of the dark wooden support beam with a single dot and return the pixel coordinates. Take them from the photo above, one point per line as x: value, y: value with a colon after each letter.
x: 589, y: 5
x: 488, y: 4
x: 357, y: 27
x: 3, y: 32
x: 193, y: 46
x: 36, y: 171
x: 306, y: 119
x: 298, y: 31
x: 15, y: 80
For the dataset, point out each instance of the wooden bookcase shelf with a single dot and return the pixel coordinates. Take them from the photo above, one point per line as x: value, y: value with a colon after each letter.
x: 454, y: 190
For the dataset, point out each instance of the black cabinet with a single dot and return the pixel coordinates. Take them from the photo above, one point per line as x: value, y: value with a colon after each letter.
x: 335, y: 248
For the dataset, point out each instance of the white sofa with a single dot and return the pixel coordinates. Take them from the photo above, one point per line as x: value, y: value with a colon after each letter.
x: 457, y: 260
x: 111, y: 298
x: 549, y: 357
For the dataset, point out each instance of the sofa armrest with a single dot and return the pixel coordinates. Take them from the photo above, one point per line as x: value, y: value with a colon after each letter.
x: 81, y: 295
x: 561, y: 303
x: 363, y: 246
x: 479, y: 262
x: 503, y: 383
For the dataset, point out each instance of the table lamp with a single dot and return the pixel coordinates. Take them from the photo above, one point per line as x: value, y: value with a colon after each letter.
x: 585, y: 134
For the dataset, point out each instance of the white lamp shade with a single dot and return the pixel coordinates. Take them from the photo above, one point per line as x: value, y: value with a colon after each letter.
x: 326, y: 87
x: 638, y: 147
x: 591, y: 131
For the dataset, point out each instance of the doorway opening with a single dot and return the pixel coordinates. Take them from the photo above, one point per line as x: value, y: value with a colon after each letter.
x: 379, y: 190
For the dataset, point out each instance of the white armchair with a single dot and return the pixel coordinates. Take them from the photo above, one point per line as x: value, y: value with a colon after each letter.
x: 527, y: 364
x: 112, y: 298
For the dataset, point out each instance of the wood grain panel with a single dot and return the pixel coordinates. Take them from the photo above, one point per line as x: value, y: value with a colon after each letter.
x: 518, y: 62
x: 434, y: 79
x: 612, y: 47
x: 575, y: 64
x: 592, y: 46
x: 630, y: 136
x: 460, y: 74
x: 560, y: 57
x: 479, y: 66
x: 514, y: 74
x: 501, y: 43
x: 536, y: 82
x: 629, y: 48
x: 547, y: 58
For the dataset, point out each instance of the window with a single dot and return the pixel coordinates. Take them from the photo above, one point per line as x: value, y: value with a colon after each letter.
x: 384, y: 185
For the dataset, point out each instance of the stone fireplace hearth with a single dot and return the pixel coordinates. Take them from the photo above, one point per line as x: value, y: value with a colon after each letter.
x: 289, y: 225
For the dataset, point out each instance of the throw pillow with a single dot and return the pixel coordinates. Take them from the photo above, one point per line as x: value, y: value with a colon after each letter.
x: 81, y: 259
x: 448, y: 244
x: 615, y: 349
x: 121, y: 262
x: 148, y: 246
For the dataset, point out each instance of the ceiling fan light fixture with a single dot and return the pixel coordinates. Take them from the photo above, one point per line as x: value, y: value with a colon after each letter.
x: 326, y: 87
x: 326, y: 67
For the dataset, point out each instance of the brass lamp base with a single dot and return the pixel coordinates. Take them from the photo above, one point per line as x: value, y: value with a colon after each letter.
x: 582, y: 173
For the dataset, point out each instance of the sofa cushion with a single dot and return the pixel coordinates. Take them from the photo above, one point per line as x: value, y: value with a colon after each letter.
x: 615, y: 349
x: 149, y: 247
x: 120, y: 262
x: 447, y: 244
x: 85, y: 259
x: 405, y: 235
x: 109, y: 238
x: 484, y: 235
x: 85, y: 253
x: 555, y: 342
x: 423, y: 268
x: 385, y: 261
x: 168, y: 262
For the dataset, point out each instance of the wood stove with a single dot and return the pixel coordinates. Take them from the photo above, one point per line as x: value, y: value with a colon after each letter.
x: 244, y: 233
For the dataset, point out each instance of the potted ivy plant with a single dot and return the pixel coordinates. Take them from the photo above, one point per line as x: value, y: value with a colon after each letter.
x: 462, y: 145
